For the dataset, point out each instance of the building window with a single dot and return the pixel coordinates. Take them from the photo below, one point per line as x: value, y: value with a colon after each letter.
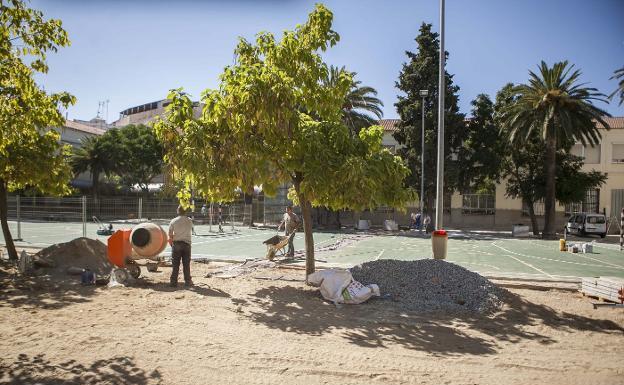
x: 617, y: 153
x: 577, y: 150
x: 483, y: 204
x: 591, y: 154
x: 591, y: 203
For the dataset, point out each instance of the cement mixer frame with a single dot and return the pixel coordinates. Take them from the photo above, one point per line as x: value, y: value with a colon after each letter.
x: 128, y: 247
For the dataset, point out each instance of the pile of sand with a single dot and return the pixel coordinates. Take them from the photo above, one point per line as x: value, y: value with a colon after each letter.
x: 81, y: 253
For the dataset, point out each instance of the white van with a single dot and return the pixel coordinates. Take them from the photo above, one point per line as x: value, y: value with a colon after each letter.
x: 587, y: 223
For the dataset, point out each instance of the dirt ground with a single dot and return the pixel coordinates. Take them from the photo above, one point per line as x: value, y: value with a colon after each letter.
x: 247, y: 330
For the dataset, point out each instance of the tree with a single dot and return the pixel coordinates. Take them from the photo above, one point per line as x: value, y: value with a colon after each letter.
x: 482, y: 149
x: 358, y: 103
x: 421, y: 73
x: 618, y: 75
x: 29, y: 156
x: 142, y: 156
x: 274, y: 120
x: 523, y: 167
x: 561, y: 111
x: 99, y: 155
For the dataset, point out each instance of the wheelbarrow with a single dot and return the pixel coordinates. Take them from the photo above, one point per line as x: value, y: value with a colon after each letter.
x: 276, y: 244
x: 102, y: 229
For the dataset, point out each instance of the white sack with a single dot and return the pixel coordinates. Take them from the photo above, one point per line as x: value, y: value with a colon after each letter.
x: 338, y: 286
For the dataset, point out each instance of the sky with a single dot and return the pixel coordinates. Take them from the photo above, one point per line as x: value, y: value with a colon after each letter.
x: 133, y: 52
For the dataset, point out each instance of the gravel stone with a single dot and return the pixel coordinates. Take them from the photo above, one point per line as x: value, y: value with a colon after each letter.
x: 431, y: 285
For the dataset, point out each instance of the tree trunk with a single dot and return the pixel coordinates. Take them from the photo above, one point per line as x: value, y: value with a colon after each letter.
x: 338, y: 223
x: 306, y: 210
x: 534, y: 224
x: 95, y: 182
x: 4, y: 214
x: 549, y: 199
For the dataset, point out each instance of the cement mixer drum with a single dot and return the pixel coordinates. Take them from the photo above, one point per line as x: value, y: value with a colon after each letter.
x: 148, y: 239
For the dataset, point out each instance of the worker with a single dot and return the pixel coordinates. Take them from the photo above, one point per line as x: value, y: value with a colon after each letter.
x: 290, y: 223
x: 180, y: 229
x: 417, y: 220
x: 426, y: 223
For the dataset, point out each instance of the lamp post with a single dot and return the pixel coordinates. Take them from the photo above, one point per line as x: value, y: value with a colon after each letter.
x: 423, y: 95
x: 440, y: 184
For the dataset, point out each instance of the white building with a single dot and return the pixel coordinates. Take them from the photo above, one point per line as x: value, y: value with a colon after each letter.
x: 73, y: 133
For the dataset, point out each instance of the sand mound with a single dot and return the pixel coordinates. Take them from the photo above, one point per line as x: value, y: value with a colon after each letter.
x: 431, y: 285
x: 83, y: 253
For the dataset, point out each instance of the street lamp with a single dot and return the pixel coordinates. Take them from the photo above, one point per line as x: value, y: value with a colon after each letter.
x: 423, y: 95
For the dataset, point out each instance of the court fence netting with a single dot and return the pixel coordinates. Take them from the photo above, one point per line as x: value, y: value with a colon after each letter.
x: 243, y: 212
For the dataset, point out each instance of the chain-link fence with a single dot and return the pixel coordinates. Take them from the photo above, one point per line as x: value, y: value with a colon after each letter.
x: 241, y: 213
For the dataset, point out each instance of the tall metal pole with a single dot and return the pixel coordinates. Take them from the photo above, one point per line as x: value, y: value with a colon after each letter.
x: 440, y: 188
x: 84, y: 216
x: 422, y: 163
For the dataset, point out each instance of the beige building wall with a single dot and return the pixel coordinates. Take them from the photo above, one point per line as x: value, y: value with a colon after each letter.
x: 607, y: 157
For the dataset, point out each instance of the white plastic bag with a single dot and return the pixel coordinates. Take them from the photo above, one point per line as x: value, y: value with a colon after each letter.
x: 338, y: 286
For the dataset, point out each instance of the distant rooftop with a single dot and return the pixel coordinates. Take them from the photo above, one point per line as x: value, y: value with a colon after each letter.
x: 83, y: 127
x: 389, y: 125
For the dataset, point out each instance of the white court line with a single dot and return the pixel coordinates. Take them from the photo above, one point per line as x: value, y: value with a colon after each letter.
x: 601, y: 261
x: 380, y: 253
x: 524, y: 263
x: 554, y: 260
x: 578, y: 254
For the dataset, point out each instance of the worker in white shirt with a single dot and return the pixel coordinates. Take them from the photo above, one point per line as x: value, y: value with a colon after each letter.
x: 180, y: 229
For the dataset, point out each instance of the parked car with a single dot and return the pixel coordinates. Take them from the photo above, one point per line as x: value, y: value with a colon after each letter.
x: 587, y: 223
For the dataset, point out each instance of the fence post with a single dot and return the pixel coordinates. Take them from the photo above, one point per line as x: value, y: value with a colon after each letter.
x: 140, y: 210
x: 622, y: 230
x: 19, y: 218
x: 84, y: 216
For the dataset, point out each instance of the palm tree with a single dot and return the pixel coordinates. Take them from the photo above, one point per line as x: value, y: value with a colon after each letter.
x: 561, y: 110
x: 360, y: 101
x: 93, y: 155
x: 618, y: 75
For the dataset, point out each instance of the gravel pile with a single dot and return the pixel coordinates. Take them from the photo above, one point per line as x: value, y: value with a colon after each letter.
x: 431, y: 285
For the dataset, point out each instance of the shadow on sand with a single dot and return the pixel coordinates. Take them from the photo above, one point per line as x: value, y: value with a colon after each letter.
x: 379, y: 323
x: 40, y: 370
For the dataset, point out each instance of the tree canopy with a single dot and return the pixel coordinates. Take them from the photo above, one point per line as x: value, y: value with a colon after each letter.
x: 524, y: 171
x: 30, y: 156
x: 561, y: 110
x: 132, y: 153
x: 274, y: 120
x: 421, y: 73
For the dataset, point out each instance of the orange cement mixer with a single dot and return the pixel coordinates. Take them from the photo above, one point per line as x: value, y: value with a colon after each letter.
x: 127, y: 247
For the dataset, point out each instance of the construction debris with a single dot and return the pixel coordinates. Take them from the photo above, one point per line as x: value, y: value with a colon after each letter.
x: 246, y: 267
x: 431, y: 285
x: 604, y: 288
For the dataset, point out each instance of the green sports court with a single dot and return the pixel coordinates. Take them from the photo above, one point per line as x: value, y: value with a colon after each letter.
x: 494, y: 254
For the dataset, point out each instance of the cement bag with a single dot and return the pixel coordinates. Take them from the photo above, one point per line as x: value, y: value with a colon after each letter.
x: 332, y: 282
x: 338, y: 286
x: 357, y: 293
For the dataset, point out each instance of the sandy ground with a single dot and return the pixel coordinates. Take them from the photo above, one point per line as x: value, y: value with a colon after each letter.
x: 254, y: 331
